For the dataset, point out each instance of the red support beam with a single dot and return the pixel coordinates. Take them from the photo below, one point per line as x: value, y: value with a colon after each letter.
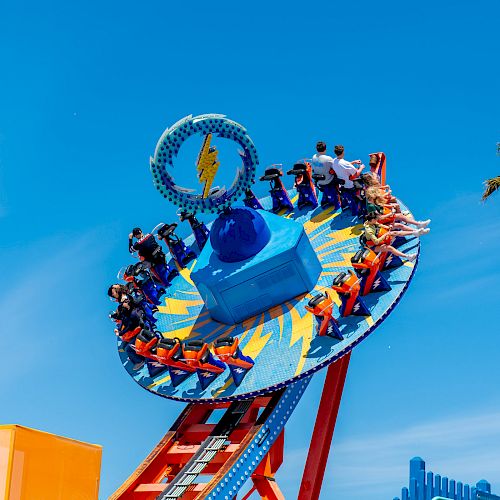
x: 319, y: 448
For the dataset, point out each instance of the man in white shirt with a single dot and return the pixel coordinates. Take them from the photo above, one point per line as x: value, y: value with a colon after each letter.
x: 322, y: 164
x: 344, y: 169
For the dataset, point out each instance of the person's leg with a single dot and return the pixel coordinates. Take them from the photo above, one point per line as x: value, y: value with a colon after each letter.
x: 350, y: 197
x: 162, y: 271
x: 399, y: 225
x: 394, y: 204
x: 408, y: 220
x: 395, y: 251
x: 403, y: 218
x: 406, y: 232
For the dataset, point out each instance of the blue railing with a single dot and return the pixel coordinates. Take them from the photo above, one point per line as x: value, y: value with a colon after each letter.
x: 429, y: 486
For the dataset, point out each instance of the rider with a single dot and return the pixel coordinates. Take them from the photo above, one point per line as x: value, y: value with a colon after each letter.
x: 129, y: 320
x: 146, y: 246
x: 150, y: 251
x: 322, y: 164
x: 133, y: 298
x: 346, y: 171
x: 325, y: 176
x: 379, y: 236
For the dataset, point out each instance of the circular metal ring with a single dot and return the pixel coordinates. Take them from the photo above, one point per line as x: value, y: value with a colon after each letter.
x: 169, y: 145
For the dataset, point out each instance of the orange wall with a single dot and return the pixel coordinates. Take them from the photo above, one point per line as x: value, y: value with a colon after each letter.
x: 42, y: 466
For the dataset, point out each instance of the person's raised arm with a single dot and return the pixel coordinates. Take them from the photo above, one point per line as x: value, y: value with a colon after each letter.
x: 356, y: 171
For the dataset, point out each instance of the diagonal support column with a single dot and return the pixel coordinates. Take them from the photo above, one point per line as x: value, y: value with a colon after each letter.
x: 319, y: 448
x: 263, y: 477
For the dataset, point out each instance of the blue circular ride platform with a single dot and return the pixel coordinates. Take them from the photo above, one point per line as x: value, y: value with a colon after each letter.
x: 282, y: 341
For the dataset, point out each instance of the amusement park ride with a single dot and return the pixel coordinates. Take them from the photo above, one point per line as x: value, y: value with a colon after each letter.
x: 244, y: 314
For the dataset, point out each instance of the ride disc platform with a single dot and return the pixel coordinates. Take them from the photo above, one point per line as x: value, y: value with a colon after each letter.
x: 283, y: 340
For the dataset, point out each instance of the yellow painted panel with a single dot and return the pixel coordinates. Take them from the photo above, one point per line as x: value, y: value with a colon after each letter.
x: 44, y: 466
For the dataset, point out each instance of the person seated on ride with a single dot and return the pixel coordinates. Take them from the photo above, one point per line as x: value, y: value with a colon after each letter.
x: 134, y: 297
x: 146, y: 246
x: 149, y: 250
x: 371, y: 180
x: 325, y: 177
x: 130, y: 321
x: 322, y: 164
x: 378, y: 236
x: 118, y: 292
x: 346, y: 171
x: 377, y: 201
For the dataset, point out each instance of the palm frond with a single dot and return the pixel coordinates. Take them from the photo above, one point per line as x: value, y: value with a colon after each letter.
x: 491, y: 185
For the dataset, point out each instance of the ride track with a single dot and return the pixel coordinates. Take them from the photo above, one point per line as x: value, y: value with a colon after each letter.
x: 247, y: 440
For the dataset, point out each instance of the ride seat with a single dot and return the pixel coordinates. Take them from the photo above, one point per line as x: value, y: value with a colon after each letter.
x: 316, y: 300
x: 298, y: 169
x: 224, y: 341
x: 194, y: 345
x: 340, y: 279
x: 146, y: 335
x: 166, y: 230
x: 271, y: 174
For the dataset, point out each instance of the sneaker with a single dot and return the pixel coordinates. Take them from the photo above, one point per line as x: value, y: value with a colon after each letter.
x: 412, y: 257
x: 425, y: 223
x: 422, y: 230
x: 138, y: 366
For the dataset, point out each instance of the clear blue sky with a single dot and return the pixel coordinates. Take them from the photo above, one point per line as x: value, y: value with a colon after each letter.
x: 85, y: 91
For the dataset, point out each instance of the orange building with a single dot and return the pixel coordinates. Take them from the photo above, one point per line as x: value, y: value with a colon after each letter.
x: 42, y: 466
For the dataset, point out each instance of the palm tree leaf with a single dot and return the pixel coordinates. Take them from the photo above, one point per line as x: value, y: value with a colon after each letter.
x: 491, y: 185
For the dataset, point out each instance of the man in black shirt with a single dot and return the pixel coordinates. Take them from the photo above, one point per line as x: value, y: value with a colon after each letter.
x: 146, y: 246
x: 150, y: 251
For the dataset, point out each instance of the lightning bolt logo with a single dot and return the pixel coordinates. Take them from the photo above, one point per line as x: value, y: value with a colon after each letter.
x: 376, y: 284
x: 389, y: 259
x: 239, y: 370
x: 356, y: 307
x: 207, y: 164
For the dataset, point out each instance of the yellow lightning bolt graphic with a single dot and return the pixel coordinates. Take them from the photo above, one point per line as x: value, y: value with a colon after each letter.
x: 345, y: 262
x: 159, y: 382
x: 252, y: 349
x: 302, y: 328
x: 207, y: 164
x: 178, y: 306
x: 258, y: 340
x: 320, y: 219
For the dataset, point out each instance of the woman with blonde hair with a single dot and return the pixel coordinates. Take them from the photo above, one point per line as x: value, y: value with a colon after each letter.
x: 376, y: 201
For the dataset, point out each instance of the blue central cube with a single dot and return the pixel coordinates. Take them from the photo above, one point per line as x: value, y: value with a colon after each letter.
x: 285, y: 266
